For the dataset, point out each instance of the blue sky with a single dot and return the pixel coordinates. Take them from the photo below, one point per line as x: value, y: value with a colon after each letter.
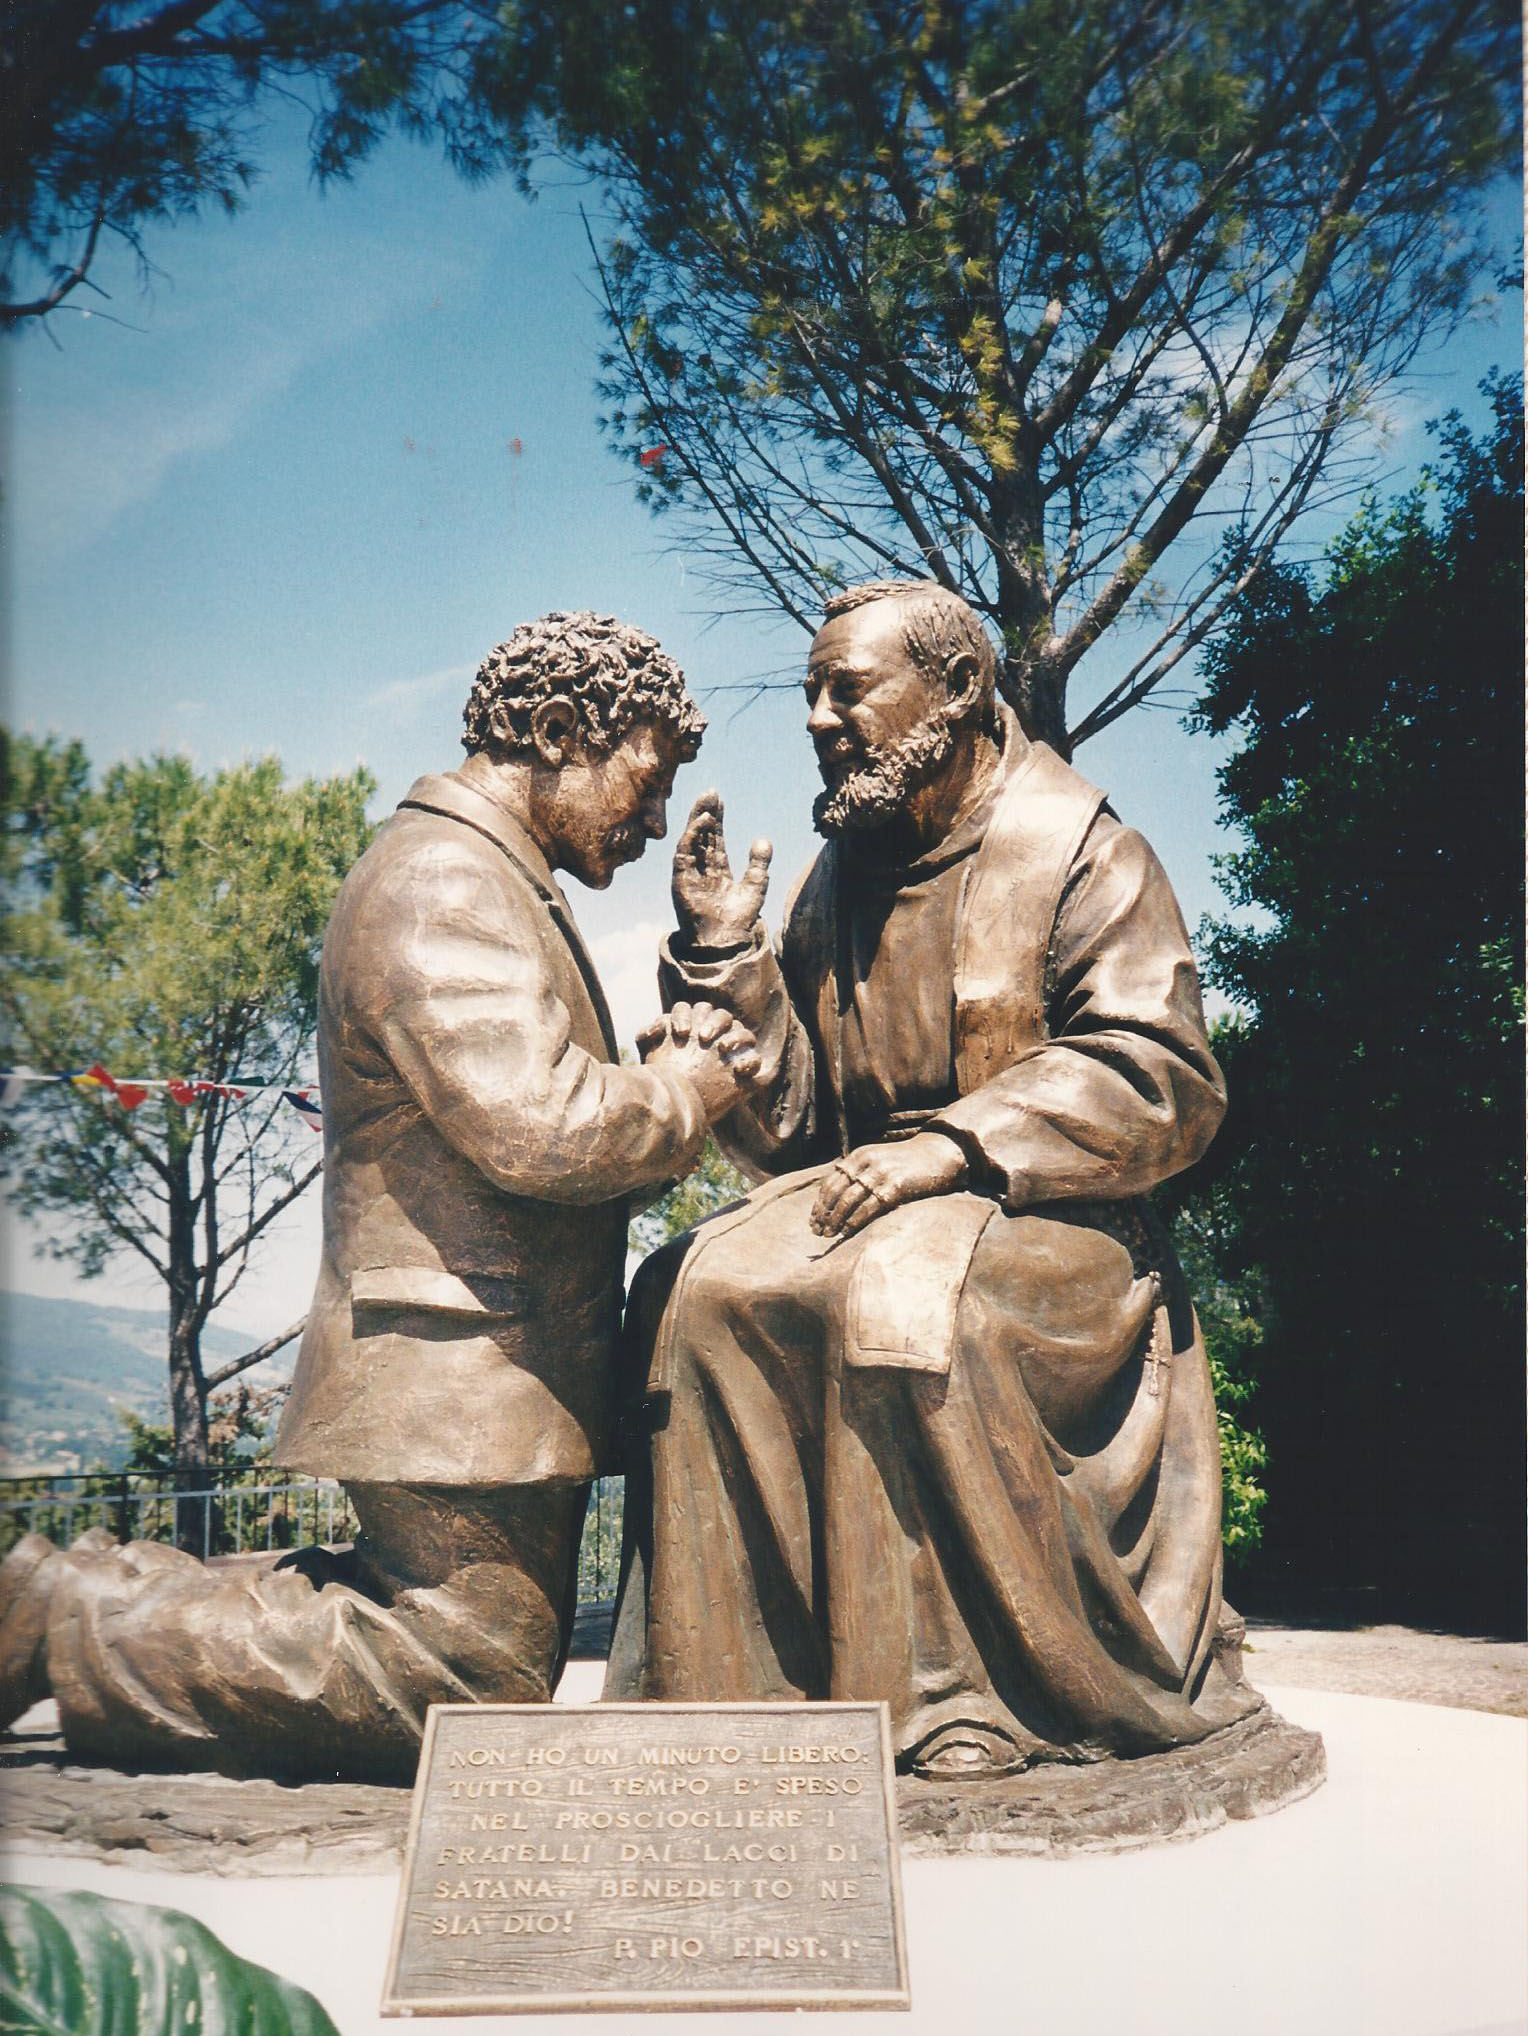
x: 277, y: 510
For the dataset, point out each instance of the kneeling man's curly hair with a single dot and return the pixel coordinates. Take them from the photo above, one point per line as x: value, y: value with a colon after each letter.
x: 613, y: 674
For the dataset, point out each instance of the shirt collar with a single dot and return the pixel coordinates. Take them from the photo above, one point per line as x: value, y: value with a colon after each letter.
x: 449, y: 793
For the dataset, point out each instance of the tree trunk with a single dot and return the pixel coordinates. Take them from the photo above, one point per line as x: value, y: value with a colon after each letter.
x: 1026, y: 607
x: 195, y: 1528
x: 1038, y: 700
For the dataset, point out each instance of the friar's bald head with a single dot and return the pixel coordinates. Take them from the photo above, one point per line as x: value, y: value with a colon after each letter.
x: 937, y: 626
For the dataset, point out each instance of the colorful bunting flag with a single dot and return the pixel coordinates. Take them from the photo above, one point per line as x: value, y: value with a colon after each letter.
x: 301, y: 1099
x: 128, y: 1094
x: 180, y: 1090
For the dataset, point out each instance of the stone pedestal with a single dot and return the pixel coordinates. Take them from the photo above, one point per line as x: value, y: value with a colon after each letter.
x: 205, y: 1823
x: 1253, y: 1767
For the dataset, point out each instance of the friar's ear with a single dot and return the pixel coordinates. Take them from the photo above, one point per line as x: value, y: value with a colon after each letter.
x: 963, y: 683
x: 554, y: 730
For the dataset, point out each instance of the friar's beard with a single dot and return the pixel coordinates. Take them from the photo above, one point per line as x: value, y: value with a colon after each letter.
x: 878, y: 792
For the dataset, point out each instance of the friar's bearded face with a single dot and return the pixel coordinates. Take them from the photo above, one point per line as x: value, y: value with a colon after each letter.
x: 870, y: 794
x: 880, y: 727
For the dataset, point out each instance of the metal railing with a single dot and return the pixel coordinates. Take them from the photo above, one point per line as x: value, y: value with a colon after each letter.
x: 247, y: 1513
x: 599, y: 1554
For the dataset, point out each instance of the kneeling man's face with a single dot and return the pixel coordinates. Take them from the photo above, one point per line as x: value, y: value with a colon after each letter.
x: 609, y: 804
x: 879, y: 727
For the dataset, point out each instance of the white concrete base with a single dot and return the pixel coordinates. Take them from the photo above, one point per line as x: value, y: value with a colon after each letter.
x: 1390, y: 1903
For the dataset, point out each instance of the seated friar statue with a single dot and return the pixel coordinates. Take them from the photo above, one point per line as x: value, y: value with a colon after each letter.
x: 928, y: 1417
x: 482, y: 1145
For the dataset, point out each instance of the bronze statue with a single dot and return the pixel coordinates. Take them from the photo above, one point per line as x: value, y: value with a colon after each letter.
x: 482, y: 1146
x: 929, y: 1417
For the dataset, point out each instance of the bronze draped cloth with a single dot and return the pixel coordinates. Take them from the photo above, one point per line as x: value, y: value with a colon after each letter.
x: 966, y: 1460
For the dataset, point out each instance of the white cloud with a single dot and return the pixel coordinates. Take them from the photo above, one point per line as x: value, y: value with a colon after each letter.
x: 414, y: 692
x: 103, y: 431
x: 89, y: 462
x: 627, y: 964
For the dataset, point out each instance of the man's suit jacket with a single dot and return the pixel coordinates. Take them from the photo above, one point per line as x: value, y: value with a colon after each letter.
x: 481, y: 1146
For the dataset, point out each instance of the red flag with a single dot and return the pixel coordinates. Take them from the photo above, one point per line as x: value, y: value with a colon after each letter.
x: 182, y: 1093
x: 654, y: 455
x: 128, y: 1094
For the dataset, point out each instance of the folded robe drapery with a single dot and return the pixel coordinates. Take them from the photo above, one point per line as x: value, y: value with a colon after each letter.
x: 1018, y: 1533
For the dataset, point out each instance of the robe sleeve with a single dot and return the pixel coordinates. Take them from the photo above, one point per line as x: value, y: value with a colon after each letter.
x: 467, y: 1013
x: 775, y: 1130
x: 1125, y: 1092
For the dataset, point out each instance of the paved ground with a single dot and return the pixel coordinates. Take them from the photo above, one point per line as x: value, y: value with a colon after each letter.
x: 1363, y: 1661
x: 1389, y: 1903
x: 1393, y: 1661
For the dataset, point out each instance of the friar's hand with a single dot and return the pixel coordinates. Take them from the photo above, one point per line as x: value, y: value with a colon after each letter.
x: 713, y: 1048
x: 713, y: 909
x: 875, y: 1178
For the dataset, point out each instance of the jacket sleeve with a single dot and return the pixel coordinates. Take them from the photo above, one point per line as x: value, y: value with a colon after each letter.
x: 465, y: 1009
x: 1125, y: 1091
x: 775, y: 1130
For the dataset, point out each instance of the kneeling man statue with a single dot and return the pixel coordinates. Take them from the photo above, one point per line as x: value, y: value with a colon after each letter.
x: 482, y: 1145
x: 928, y: 1416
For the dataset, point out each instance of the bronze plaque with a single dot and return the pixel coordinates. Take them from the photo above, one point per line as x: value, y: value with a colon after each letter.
x: 650, y: 1856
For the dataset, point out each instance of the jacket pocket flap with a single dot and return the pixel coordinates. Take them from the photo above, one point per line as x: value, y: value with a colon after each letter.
x: 431, y: 1287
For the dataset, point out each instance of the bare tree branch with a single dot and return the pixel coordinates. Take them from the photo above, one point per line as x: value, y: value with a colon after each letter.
x: 270, y: 1213
x: 231, y: 1370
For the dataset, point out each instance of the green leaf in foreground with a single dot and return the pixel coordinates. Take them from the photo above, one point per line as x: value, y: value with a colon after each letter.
x: 75, y: 1964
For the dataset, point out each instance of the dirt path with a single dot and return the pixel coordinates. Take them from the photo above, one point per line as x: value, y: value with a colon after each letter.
x: 1393, y: 1661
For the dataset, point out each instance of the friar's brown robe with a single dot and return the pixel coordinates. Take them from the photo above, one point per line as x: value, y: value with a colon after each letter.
x: 965, y: 1460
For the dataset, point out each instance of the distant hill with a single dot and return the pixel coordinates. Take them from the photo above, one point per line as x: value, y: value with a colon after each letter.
x: 69, y: 1366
